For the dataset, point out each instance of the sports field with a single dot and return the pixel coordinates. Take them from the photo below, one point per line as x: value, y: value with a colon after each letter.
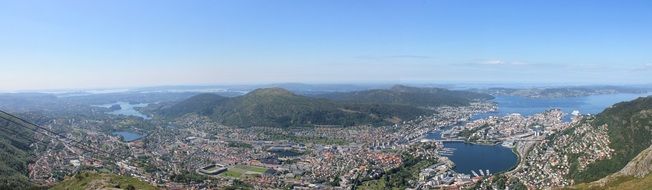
x: 239, y: 171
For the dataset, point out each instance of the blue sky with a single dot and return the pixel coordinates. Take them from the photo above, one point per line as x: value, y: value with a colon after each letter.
x: 103, y: 44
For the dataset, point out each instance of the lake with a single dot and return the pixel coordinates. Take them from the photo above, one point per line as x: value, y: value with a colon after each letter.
x: 128, y: 136
x: 126, y: 109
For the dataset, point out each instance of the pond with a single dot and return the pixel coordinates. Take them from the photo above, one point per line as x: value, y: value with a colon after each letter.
x: 127, y: 136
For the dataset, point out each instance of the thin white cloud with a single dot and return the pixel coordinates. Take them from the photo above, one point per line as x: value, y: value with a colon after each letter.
x: 643, y: 68
x: 385, y: 57
x: 499, y: 62
x: 492, y: 62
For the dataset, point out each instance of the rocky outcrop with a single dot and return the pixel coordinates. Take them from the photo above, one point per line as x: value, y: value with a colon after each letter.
x: 640, y: 166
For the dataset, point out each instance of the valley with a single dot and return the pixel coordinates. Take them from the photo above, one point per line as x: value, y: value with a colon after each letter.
x: 379, y: 143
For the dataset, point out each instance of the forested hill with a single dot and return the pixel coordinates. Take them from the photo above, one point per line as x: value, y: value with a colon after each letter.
x: 630, y: 132
x: 279, y: 107
x: 202, y: 104
x: 15, y: 154
x: 405, y: 95
x: 282, y: 108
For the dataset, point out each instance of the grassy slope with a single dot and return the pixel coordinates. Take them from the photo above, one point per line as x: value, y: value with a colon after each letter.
x: 619, y: 183
x: 101, y: 181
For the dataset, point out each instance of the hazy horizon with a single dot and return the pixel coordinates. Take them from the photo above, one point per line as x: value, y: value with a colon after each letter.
x: 370, y: 85
x: 126, y: 44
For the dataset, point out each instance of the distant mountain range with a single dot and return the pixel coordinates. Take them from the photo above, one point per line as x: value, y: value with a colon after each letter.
x: 558, y: 92
x: 280, y: 107
x: 69, y: 104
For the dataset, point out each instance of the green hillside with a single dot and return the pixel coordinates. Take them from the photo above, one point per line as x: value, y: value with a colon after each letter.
x: 620, y: 183
x: 412, y: 96
x: 630, y: 132
x: 281, y: 108
x: 278, y: 107
x: 201, y: 104
x: 14, y: 154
